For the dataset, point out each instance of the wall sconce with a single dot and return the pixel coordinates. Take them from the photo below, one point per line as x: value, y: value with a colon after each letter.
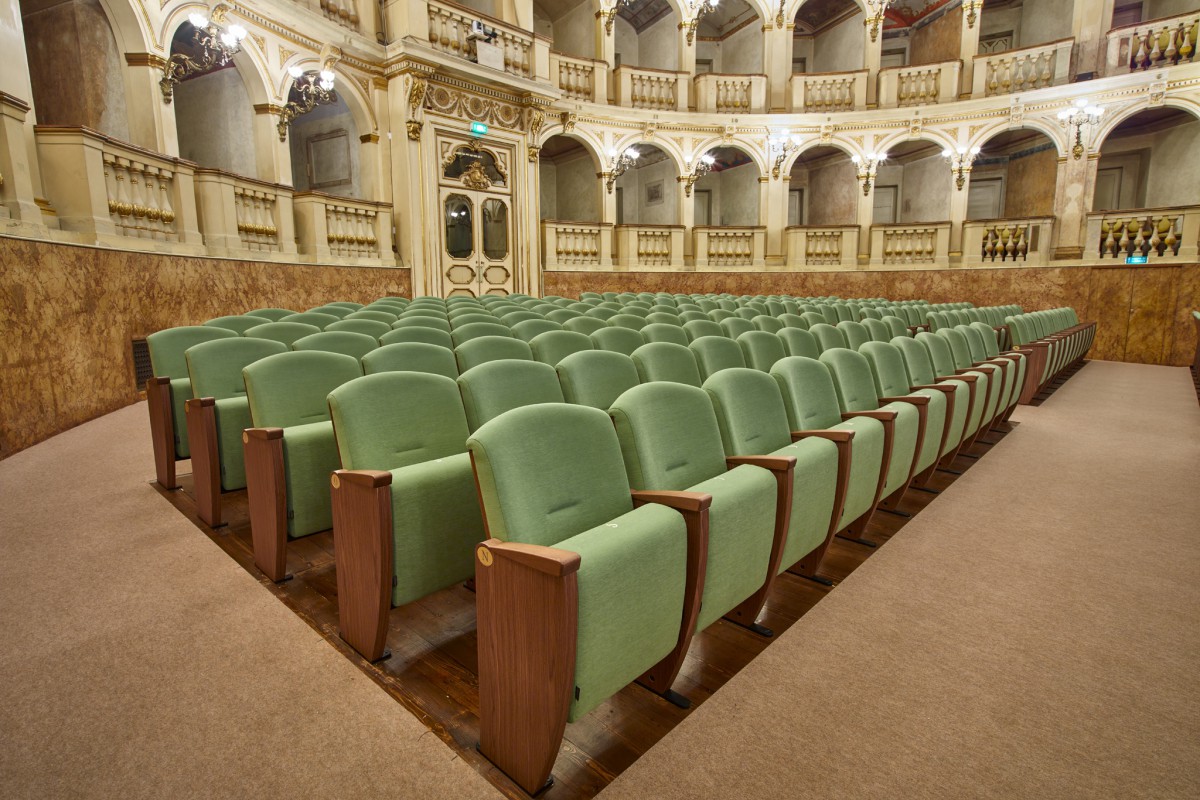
x: 782, y: 145
x: 704, y: 165
x: 867, y: 168
x: 315, y: 89
x: 218, y: 44
x: 1076, y: 117
x: 960, y: 163
x: 875, y: 11
x: 973, y: 7
x: 610, y: 12
x: 695, y: 10
x: 618, y: 164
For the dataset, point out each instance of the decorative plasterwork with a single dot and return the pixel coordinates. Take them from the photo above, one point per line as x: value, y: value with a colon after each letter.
x: 469, y: 106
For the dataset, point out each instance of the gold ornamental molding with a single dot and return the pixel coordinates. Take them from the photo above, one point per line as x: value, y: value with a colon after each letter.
x: 369, y: 138
x: 152, y: 60
x: 268, y: 108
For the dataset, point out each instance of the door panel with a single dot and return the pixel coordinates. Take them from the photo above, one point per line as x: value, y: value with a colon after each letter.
x: 1151, y: 315
x: 1109, y: 305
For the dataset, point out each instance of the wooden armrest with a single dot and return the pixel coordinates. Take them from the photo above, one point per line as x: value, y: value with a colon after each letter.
x: 915, y: 399
x: 200, y: 402
x: 681, y: 501
x: 939, y: 387
x: 159, y: 380
x: 262, y: 433
x: 882, y: 416
x: 549, y: 560
x: 773, y: 463
x: 833, y: 436
x: 362, y: 478
x: 964, y: 378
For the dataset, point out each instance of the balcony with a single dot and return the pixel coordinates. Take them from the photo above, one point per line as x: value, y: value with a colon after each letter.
x: 576, y: 245
x: 646, y: 246
x: 342, y: 230
x: 513, y: 51
x: 657, y: 89
x: 1007, y: 242
x: 1152, y: 44
x: 1159, y: 234
x: 730, y: 94
x: 241, y: 216
x: 830, y: 248
x: 580, y: 79
x: 919, y: 85
x: 728, y: 246
x: 1021, y: 70
x: 826, y: 92
x: 911, y: 246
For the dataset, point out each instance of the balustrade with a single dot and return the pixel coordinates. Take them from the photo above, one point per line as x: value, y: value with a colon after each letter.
x: 576, y: 245
x: 730, y: 94
x: 650, y: 88
x: 340, y: 228
x: 580, y: 79
x: 1020, y: 70
x: 727, y: 246
x: 828, y: 247
x: 241, y: 216
x: 644, y: 246
x: 1159, y: 234
x: 1153, y: 44
x: 826, y: 92
x: 1007, y: 242
x: 450, y: 33
x: 919, y: 85
x: 911, y: 245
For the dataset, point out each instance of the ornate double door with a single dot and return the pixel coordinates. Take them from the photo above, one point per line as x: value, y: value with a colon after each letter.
x: 476, y: 221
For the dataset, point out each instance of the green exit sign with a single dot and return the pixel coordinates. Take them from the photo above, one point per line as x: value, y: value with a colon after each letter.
x: 478, y: 129
x: 1136, y: 260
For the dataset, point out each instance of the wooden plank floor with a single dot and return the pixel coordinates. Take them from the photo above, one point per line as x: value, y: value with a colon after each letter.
x: 433, y: 668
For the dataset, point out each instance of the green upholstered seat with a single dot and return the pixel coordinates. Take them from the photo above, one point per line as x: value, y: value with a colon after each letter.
x: 767, y: 323
x: 596, y: 377
x: 813, y: 318
x: 330, y: 310
x: 561, y: 315
x: 897, y: 326
x: 747, y: 314
x: 692, y: 315
x: 490, y: 389
x: 627, y: 320
x: 870, y: 312
x: 412, y: 424
x: 878, y: 330
x: 289, y: 391
x: 799, y: 342
x: 237, y: 324
x: 664, y: 361
x: 720, y: 315
x: 374, y: 328
x: 829, y: 313
x: 417, y: 334
x: 167, y: 360
x: 511, y: 318
x: 793, y: 321
x: 601, y: 313
x: 491, y: 348
x: 663, y: 318
x: 472, y: 315
x: 215, y: 369
x: 715, y: 353
x: 977, y: 344
x: 811, y: 403
x: 670, y: 441
x: 317, y: 318
x: 386, y: 317
x: 347, y: 304
x: 477, y: 329
x: 553, y: 346
x: 585, y: 325
x: 753, y: 421
x: 938, y: 351
x: 283, y: 332
x: 987, y: 335
x: 961, y: 353
x: 272, y: 314
x: 347, y: 342
x: 531, y: 328
x: 761, y: 349
x: 618, y: 339
x: 828, y: 337
x: 964, y: 417
x: 855, y: 333
x: 892, y: 380
x: 733, y: 327
x: 422, y: 321
x: 705, y: 327
x: 636, y: 310
x: 664, y: 332
x: 411, y: 357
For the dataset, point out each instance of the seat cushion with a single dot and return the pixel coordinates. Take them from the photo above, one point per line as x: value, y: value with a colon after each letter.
x: 309, y: 457
x: 232, y: 416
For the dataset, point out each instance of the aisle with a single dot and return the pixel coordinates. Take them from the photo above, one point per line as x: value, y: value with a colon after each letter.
x: 139, y: 661
x: 1033, y: 633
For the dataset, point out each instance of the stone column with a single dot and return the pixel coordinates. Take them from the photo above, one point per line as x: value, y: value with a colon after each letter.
x: 968, y: 48
x: 1089, y: 24
x: 1072, y: 202
x: 417, y: 214
x: 872, y: 53
x: 151, y: 121
x: 772, y: 213
x: 864, y: 219
x: 18, y: 146
x: 777, y: 64
x: 687, y: 214
x: 273, y: 156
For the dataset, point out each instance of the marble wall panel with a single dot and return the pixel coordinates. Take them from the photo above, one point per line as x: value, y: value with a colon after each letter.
x: 1187, y: 299
x: 1151, y: 304
x: 70, y: 313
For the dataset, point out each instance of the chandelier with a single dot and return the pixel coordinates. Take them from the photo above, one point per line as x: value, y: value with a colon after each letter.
x: 704, y: 165
x: 782, y: 145
x: 618, y: 164
x: 960, y: 161
x: 218, y: 44
x: 696, y: 9
x: 866, y: 168
x: 875, y: 12
x: 1080, y: 114
x: 315, y: 88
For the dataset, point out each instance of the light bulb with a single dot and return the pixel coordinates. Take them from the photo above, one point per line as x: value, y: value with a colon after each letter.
x: 1081, y: 102
x: 228, y: 39
x: 631, y: 153
x: 198, y: 20
x: 238, y: 32
x: 707, y: 159
x: 856, y: 159
x: 295, y: 71
x: 327, y: 75
x: 946, y: 153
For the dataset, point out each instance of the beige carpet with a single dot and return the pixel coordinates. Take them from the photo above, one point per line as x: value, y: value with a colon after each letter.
x: 1033, y: 633
x: 139, y: 661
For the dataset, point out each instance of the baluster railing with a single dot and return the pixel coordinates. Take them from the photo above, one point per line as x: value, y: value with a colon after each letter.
x: 449, y: 32
x: 901, y: 246
x: 645, y: 246
x: 343, y: 229
x: 724, y: 246
x: 1153, y: 44
x: 1020, y: 70
x: 823, y: 246
x: 730, y: 94
x: 576, y: 245
x: 580, y: 78
x: 1159, y: 234
x: 1007, y: 242
x: 919, y: 85
x: 829, y: 91
x: 650, y: 88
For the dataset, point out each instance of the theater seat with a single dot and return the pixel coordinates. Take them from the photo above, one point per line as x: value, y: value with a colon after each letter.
x: 978, y: 385
x: 418, y: 334
x: 283, y: 332
x: 477, y: 329
x: 827, y: 336
x: 596, y: 377
x: 352, y: 344
x: 316, y: 318
x: 855, y: 333
x: 799, y: 342
x: 715, y: 353
x: 411, y: 357
x: 736, y: 326
x: 766, y: 323
x: 490, y: 389
x: 374, y: 315
x: 618, y: 339
x: 374, y: 328
x: 530, y: 328
x: 761, y: 349
x: 553, y: 346
x: 272, y: 314
x: 584, y: 325
x: 483, y: 349
x: 664, y: 361
x: 237, y: 324
x: 699, y: 328
x: 965, y: 418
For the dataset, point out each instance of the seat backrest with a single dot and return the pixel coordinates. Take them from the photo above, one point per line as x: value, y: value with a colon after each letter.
x: 472, y: 315
x: 843, y: 311
x: 720, y: 315
x: 368, y: 327
x: 746, y: 313
x: 870, y: 312
x: 827, y: 336
x: 663, y: 332
x: 975, y: 344
x: 483, y: 349
x: 618, y: 339
x: 477, y: 329
x: 705, y: 327
x: 715, y: 353
x: 548, y: 472
x: 898, y: 326
x: 553, y: 346
x: 312, y: 318
x: 530, y: 328
x: 346, y: 304
x: 411, y: 357
x: 750, y: 411
x: 422, y: 321
x: 799, y: 342
x: 596, y: 377
x: 215, y: 366
x: 290, y: 389
x: 561, y: 315
x: 852, y: 378
x: 665, y: 361
x: 878, y: 330
x: 627, y: 320
x: 916, y: 360
x: 736, y: 326
x: 238, y: 324
x: 490, y: 389
x: 692, y: 315
x: 769, y: 324
x: 888, y: 368
x: 987, y: 335
x: 959, y: 349
x: 375, y: 315
x: 856, y: 334
x: 939, y: 353
x: 813, y: 318
x: 584, y: 325
x: 418, y: 334
x: 167, y: 347
x: 794, y: 321
x: 669, y: 436
x: 761, y: 349
x: 396, y: 419
x: 347, y: 342
x: 272, y: 314
x: 332, y: 310
x: 828, y: 312
x: 663, y: 318
x: 284, y: 332
x: 809, y: 396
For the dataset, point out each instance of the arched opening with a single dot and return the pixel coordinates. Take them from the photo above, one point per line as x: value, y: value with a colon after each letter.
x: 1016, y: 24
x: 827, y: 37
x: 648, y: 192
x: 822, y: 190
x: 570, y: 190
x: 325, y: 154
x: 213, y: 113
x: 728, y: 194
x: 572, y: 25
x: 647, y: 35
x: 729, y: 40
x: 75, y: 66
x: 1148, y: 161
x: 1014, y: 176
x: 913, y: 184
